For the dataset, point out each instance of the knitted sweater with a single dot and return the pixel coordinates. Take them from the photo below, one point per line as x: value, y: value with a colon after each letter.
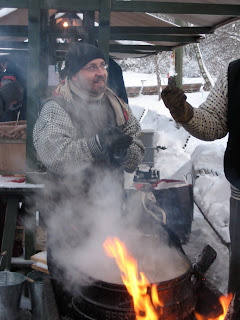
x: 210, y: 119
x: 62, y: 151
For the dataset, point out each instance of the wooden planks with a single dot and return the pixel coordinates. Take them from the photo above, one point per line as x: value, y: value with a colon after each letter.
x: 151, y: 90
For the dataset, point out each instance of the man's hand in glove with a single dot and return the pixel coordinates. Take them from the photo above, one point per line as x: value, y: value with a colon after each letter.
x: 109, y: 144
x: 119, y: 150
x: 175, y: 100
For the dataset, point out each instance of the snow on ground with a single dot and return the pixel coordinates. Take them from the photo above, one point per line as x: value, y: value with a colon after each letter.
x: 184, y: 156
x: 182, y: 152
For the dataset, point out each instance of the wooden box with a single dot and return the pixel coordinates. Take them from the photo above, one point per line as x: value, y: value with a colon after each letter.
x: 12, y: 147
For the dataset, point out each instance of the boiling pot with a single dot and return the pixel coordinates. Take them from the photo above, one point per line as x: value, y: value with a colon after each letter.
x: 103, y: 300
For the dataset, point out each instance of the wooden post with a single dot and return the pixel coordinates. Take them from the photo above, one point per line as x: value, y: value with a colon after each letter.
x: 52, y: 42
x: 158, y: 76
x: 44, y: 54
x: 33, y: 80
x: 9, y: 230
x: 104, y: 27
x: 88, y: 23
x: 178, y: 66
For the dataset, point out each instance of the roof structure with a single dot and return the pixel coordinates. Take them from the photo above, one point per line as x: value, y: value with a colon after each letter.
x: 207, y: 13
x: 129, y: 36
x: 133, y: 29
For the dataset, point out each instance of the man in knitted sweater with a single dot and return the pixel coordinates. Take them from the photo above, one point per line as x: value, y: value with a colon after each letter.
x: 84, y: 123
x: 214, y: 119
x: 83, y: 134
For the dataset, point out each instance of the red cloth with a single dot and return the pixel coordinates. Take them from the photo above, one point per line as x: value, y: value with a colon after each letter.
x: 15, y: 179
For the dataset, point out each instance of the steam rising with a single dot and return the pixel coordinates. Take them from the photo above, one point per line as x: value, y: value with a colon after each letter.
x: 78, y: 224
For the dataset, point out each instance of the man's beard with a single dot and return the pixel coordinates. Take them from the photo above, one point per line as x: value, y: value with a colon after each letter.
x: 100, y: 88
x: 90, y: 88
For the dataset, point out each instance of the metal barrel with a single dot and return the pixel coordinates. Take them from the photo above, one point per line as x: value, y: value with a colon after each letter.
x: 11, y: 288
x: 35, y: 291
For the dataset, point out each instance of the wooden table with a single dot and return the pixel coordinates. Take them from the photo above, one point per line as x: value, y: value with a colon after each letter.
x: 13, y: 193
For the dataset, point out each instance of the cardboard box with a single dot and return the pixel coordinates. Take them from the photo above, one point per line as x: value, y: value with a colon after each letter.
x: 12, y: 147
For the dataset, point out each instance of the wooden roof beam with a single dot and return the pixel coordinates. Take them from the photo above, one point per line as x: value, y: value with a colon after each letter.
x: 14, y: 31
x: 115, y: 47
x: 132, y: 6
x: 176, y: 8
x: 14, y: 4
x: 162, y: 30
x: 60, y: 32
x: 150, y: 37
x: 9, y: 46
x: 13, y: 45
x: 139, y: 48
x: 93, y: 5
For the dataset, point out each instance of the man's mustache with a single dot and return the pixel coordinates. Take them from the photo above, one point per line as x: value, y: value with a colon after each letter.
x: 99, y: 79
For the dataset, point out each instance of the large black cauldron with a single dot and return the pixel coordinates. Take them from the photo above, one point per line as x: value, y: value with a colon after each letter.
x: 103, y: 300
x: 108, y: 301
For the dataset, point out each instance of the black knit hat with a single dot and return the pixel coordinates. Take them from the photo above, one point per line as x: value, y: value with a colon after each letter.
x: 80, y: 54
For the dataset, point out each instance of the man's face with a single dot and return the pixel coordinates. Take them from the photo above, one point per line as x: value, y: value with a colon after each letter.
x: 92, y: 78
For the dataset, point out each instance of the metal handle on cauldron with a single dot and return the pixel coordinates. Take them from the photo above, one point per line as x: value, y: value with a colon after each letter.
x: 205, y: 259
x: 203, y: 263
x: 207, y: 295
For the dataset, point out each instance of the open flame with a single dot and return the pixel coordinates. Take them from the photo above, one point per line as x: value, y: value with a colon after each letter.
x: 225, y: 302
x: 146, y: 306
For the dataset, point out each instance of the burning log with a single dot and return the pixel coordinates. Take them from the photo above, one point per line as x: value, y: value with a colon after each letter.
x: 233, y: 312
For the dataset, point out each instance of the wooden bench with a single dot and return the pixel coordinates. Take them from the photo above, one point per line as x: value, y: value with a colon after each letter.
x: 153, y: 90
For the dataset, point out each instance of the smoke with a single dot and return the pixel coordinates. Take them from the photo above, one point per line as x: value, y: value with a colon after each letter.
x: 79, y: 221
x: 85, y: 208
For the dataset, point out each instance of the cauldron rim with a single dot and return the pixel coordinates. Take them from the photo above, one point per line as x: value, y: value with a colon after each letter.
x: 119, y: 287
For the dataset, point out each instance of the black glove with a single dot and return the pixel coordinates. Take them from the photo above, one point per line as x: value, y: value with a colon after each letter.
x: 110, y: 143
x: 119, y: 151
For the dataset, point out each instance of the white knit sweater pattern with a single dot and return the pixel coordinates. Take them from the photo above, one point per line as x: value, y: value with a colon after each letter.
x: 210, y: 119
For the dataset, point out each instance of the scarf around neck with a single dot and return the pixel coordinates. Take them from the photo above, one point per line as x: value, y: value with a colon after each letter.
x: 67, y: 88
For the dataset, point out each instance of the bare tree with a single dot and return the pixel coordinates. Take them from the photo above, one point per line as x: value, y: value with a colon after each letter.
x: 156, y: 59
x: 206, y: 76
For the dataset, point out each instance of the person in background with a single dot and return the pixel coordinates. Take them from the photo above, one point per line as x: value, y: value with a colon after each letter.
x: 12, y: 92
x: 115, y: 80
x: 85, y: 130
x: 215, y: 118
x: 3, y: 66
